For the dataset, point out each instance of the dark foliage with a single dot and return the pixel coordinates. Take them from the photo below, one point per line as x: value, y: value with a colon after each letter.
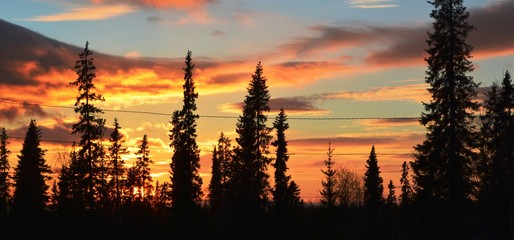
x: 497, y: 167
x: 5, y: 178
x: 444, y: 162
x: 373, y: 187
x: 90, y: 154
x: 185, y: 179
x: 30, y: 176
x: 328, y: 194
x: 221, y: 158
x: 406, y: 191
x: 249, y: 184
x: 116, y: 166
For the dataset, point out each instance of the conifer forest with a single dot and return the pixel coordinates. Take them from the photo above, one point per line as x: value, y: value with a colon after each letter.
x: 459, y: 183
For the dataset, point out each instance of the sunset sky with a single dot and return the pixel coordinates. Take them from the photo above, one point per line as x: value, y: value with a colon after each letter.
x: 346, y: 71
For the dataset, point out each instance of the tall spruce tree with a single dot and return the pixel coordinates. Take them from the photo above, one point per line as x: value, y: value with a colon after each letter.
x: 283, y: 197
x: 497, y: 189
x: 443, y: 162
x: 280, y: 194
x: 5, y: 179
x: 186, y: 183
x: 373, y: 182
x: 285, y: 193
x: 328, y: 193
x: 30, y: 176
x: 406, y: 189
x: 90, y: 126
x: 250, y: 183
x: 117, y: 166
x: 328, y: 198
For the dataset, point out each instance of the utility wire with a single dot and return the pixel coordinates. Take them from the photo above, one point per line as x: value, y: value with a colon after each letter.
x: 213, y: 116
x: 219, y: 117
x: 290, y: 154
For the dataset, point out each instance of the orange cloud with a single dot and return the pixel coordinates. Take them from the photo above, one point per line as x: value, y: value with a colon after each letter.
x: 95, y: 12
x: 180, y: 4
x: 411, y: 92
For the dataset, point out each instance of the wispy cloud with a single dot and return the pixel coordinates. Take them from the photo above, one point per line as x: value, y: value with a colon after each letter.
x: 177, y: 4
x: 95, y: 12
x: 372, y: 3
x: 410, y: 92
x: 404, y: 45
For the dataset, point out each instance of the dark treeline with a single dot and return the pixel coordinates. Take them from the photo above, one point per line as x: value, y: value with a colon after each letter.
x: 459, y: 185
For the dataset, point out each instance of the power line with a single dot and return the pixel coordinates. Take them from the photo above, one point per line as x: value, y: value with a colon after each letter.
x: 213, y: 116
x: 290, y: 154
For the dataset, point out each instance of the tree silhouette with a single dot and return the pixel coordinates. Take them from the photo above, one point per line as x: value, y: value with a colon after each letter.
x: 30, y: 194
x: 116, y: 151
x: 285, y: 193
x: 5, y: 168
x: 373, y: 188
x: 442, y: 166
x: 143, y: 177
x: 68, y: 199
x: 249, y: 185
x: 90, y: 125
x: 329, y: 197
x: 328, y: 193
x: 186, y: 182
x: 497, y: 189
x: 391, y: 196
x: 349, y: 188
x: 280, y: 191
x: 406, y: 190
x: 221, y: 157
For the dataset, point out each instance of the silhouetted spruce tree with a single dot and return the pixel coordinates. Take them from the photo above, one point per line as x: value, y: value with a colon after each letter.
x: 285, y: 193
x: 186, y: 182
x: 132, y: 183
x: 5, y: 179
x: 221, y: 157
x: 488, y: 141
x: 295, y: 200
x: 373, y: 188
x: 116, y: 151
x: 497, y: 189
x: 70, y: 198
x: 250, y: 185
x: 143, y: 161
x: 329, y: 197
x: 280, y: 191
x: 391, y: 196
x: 30, y: 176
x: 90, y: 126
x: 54, y: 196
x: 328, y: 193
x: 443, y: 162
x: 101, y: 184
x: 406, y: 190
x: 65, y: 192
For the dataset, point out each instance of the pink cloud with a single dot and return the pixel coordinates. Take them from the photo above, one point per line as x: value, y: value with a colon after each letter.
x: 95, y: 12
x: 179, y: 4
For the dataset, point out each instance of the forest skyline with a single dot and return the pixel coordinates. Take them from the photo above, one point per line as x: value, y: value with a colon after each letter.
x: 310, y: 82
